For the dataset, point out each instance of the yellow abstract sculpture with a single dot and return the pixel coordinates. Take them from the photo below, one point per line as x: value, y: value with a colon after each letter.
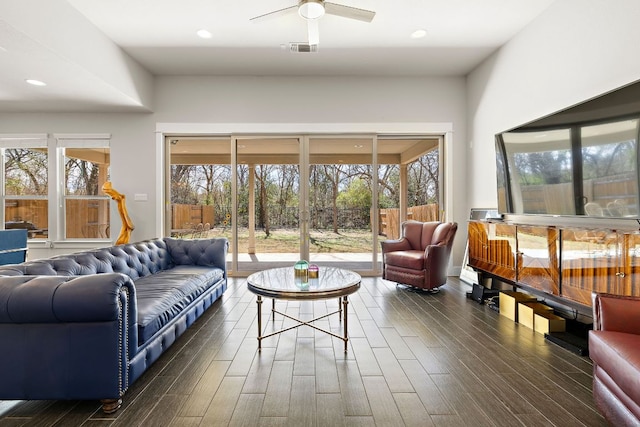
x: 127, y: 224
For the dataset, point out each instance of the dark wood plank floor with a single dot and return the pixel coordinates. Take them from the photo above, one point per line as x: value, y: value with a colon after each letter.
x: 414, y: 359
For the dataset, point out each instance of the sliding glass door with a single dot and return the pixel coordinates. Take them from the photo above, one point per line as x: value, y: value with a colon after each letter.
x: 341, y: 191
x: 267, y: 218
x: 199, y: 184
x: 328, y: 199
x: 409, y: 182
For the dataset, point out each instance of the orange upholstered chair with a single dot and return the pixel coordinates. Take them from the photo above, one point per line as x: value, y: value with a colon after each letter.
x: 420, y: 257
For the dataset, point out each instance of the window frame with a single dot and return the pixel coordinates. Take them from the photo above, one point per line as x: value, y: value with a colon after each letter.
x: 62, y: 142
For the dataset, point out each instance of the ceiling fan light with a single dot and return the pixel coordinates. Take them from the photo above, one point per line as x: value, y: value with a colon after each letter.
x: 311, y: 9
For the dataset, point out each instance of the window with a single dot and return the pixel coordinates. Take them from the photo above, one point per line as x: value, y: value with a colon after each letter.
x: 86, y: 168
x: 25, y: 183
x: 408, y: 168
x: 79, y: 164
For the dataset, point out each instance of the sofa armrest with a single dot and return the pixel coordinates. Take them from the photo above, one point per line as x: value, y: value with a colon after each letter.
x: 616, y: 313
x: 55, y: 299
x: 202, y: 252
x: 71, y: 336
x: 401, y: 244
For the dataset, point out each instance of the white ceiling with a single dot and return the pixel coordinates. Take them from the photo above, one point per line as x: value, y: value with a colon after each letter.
x: 74, y: 46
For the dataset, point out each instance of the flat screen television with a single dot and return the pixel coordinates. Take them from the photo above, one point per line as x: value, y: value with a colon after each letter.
x: 580, y: 161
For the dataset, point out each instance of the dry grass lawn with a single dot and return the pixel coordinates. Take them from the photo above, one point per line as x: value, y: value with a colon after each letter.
x: 288, y: 240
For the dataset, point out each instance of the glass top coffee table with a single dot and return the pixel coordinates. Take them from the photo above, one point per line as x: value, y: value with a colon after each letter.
x: 281, y: 283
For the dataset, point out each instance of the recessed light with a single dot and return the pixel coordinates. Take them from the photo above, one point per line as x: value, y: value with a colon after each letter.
x: 204, y: 34
x: 35, y: 82
x: 418, y: 34
x: 358, y: 146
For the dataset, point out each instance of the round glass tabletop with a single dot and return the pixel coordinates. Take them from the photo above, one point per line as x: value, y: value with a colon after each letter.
x: 281, y: 283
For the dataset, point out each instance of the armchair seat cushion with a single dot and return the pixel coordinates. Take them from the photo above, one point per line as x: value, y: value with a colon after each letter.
x: 411, y: 259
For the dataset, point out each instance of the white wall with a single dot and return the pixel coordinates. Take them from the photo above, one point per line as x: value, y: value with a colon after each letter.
x: 576, y: 50
x: 309, y: 99
x: 290, y: 100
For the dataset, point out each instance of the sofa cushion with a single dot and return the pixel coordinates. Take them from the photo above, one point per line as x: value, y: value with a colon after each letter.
x: 164, y: 295
x: 618, y: 354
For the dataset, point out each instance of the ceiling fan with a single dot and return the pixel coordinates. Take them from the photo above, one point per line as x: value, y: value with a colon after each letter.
x: 312, y: 10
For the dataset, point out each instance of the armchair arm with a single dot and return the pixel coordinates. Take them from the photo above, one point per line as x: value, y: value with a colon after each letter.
x: 436, y: 259
x: 616, y: 313
x: 401, y: 244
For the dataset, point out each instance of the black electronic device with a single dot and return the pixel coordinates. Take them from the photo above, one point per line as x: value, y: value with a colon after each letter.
x: 479, y: 293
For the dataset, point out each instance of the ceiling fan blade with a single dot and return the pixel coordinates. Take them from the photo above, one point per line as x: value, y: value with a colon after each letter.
x: 314, y: 33
x: 274, y: 14
x: 349, y: 12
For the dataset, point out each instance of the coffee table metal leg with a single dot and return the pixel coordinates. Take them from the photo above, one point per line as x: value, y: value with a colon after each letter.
x: 345, y: 302
x: 259, y: 302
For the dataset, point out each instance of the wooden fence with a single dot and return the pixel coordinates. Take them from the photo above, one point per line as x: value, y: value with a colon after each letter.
x: 85, y: 218
x: 389, y: 224
x: 90, y: 218
x: 559, y: 198
x: 30, y: 214
x: 33, y: 211
x: 188, y: 216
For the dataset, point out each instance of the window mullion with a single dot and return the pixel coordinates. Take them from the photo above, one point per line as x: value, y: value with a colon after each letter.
x: 56, y: 184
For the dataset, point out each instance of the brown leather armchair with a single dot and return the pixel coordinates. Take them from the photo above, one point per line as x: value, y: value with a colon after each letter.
x: 614, y: 348
x: 421, y: 256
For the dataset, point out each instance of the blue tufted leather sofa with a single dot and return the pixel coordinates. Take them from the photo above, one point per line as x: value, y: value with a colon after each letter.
x: 87, y: 325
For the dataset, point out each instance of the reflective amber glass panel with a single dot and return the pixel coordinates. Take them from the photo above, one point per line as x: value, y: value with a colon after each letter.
x: 492, y: 248
x: 590, y: 261
x: 538, y: 258
x: 631, y: 263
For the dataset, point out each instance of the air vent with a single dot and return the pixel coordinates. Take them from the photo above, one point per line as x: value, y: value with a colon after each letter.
x: 303, y: 47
